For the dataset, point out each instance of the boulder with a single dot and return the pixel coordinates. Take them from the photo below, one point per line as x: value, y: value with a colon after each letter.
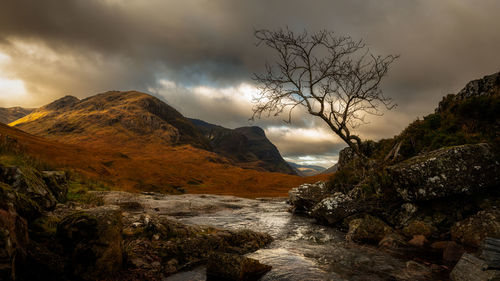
x: 93, y: 241
x: 452, y: 252
x: 470, y: 268
x: 473, y: 230
x: 368, y: 229
x: 29, y: 182
x: 418, y: 227
x: 490, y: 252
x: 418, y: 241
x: 304, y: 197
x: 224, y: 266
x: 334, y: 208
x: 464, y: 169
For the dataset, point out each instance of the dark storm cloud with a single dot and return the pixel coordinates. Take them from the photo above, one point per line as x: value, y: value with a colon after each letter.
x: 85, y: 47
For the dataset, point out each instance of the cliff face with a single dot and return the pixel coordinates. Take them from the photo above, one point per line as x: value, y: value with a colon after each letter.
x: 246, y: 146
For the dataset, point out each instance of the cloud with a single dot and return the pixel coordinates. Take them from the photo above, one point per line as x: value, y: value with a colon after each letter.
x: 199, y: 55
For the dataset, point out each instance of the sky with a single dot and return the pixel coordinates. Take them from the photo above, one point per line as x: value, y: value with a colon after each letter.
x: 199, y: 55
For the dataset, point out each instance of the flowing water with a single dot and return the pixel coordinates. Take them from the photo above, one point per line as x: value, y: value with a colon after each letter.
x: 302, y: 249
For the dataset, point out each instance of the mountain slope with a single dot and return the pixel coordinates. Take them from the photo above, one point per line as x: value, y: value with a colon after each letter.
x: 247, y: 147
x: 10, y: 114
x: 136, y: 142
x: 112, y: 117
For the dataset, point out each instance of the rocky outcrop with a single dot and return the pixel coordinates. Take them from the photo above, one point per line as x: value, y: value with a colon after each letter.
x: 304, y: 197
x: 487, y: 86
x: 93, y: 241
x: 223, y: 266
x: 473, y: 230
x: 29, y: 182
x: 445, y: 172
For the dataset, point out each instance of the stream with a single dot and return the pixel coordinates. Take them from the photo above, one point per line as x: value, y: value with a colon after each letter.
x: 302, y: 249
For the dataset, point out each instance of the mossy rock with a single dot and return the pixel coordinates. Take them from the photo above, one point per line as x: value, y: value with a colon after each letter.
x: 93, y: 240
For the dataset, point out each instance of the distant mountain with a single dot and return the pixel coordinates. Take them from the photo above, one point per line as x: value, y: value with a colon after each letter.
x: 330, y: 170
x: 112, y: 117
x: 8, y: 115
x: 246, y: 146
x: 307, y: 170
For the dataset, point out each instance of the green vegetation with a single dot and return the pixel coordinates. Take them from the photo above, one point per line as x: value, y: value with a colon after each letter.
x: 455, y: 122
x: 79, y: 187
x: 473, y: 120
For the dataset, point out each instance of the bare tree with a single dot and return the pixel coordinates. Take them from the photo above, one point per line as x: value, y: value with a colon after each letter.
x: 333, y: 77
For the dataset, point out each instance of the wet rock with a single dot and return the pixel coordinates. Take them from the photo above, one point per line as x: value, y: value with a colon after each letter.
x: 452, y: 252
x: 29, y: 182
x: 418, y: 241
x: 490, y: 252
x: 223, y: 266
x: 368, y: 229
x: 393, y: 241
x: 305, y: 196
x: 93, y: 240
x: 333, y: 208
x: 447, y: 171
x: 473, y: 230
x: 470, y: 268
x: 418, y: 227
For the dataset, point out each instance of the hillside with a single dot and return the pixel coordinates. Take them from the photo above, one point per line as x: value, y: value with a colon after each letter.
x: 470, y: 116
x: 121, y: 118
x: 136, y: 142
x: 10, y: 114
x: 247, y: 147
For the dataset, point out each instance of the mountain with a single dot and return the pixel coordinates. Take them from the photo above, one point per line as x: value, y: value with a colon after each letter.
x: 306, y: 170
x: 116, y: 117
x: 136, y: 142
x: 330, y: 170
x: 8, y: 115
x: 247, y: 147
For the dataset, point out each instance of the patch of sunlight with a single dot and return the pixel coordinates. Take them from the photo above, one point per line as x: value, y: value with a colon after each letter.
x: 28, y: 118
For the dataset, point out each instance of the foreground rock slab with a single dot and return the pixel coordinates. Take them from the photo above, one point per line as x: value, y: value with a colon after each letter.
x: 223, y: 266
x: 470, y: 268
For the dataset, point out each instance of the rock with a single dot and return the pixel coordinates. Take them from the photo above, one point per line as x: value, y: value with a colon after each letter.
x: 57, y: 182
x: 346, y: 156
x: 93, y: 241
x: 418, y: 241
x: 333, y: 208
x: 368, y: 229
x: 487, y: 86
x: 223, y: 266
x: 29, y: 182
x: 392, y: 241
x: 490, y: 252
x: 452, y: 252
x: 418, y: 227
x: 13, y: 242
x: 470, y: 268
x: 447, y: 171
x: 402, y: 215
x: 305, y: 196
x: 473, y: 230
